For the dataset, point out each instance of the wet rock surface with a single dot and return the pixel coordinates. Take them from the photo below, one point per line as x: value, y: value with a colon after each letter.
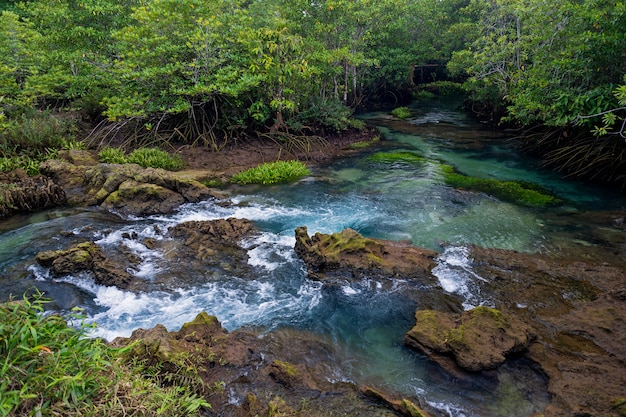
x: 578, y: 317
x: 87, y: 257
x: 245, y: 373
x: 349, y: 254
x: 478, y: 339
x: 566, y: 314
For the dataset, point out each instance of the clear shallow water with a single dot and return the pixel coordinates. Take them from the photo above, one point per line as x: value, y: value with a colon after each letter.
x: 367, y: 319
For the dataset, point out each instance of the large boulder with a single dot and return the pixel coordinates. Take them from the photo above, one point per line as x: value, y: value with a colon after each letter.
x: 126, y: 188
x: 478, y: 339
x: 87, y: 257
x: 349, y: 254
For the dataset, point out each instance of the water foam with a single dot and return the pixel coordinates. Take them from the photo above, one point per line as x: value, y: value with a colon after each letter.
x: 455, y: 274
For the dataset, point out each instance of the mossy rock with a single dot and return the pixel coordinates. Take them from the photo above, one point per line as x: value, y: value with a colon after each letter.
x: 478, y: 339
x: 518, y: 192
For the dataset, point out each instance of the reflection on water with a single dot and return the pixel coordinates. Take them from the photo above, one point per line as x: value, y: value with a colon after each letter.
x: 367, y: 319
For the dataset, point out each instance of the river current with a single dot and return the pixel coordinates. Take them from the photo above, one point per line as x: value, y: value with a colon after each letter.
x: 366, y: 320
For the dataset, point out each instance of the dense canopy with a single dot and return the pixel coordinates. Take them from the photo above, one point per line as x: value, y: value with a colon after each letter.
x: 206, y: 71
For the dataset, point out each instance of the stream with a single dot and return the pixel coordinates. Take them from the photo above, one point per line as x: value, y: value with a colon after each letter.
x: 366, y: 320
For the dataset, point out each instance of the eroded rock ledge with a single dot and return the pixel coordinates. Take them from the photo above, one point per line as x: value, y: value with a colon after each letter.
x: 349, y: 254
x: 478, y: 339
x: 128, y: 188
x: 241, y: 374
x: 21, y: 193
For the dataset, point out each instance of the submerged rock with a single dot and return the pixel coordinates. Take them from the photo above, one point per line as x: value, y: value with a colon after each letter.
x: 214, y: 242
x: 349, y: 254
x: 478, y: 339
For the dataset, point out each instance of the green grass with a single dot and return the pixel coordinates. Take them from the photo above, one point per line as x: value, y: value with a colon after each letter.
x: 518, y: 192
x: 401, y: 112
x: 32, y: 138
x: 48, y: 368
x: 272, y: 173
x: 394, y: 157
x: 145, y: 157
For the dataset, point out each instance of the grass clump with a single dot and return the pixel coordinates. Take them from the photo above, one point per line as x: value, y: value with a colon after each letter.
x: 395, y: 157
x: 518, y: 192
x: 145, y: 157
x: 401, y: 112
x: 272, y: 173
x: 50, y: 369
x: 31, y: 138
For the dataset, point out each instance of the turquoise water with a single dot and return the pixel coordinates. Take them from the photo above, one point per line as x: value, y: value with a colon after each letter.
x: 366, y: 320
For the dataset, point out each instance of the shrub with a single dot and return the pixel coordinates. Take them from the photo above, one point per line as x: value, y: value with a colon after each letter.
x: 328, y: 113
x: 401, y: 112
x: 112, y: 156
x: 51, y: 369
x: 272, y: 173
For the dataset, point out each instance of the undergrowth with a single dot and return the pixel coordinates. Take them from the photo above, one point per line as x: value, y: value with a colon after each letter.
x: 48, y: 368
x: 32, y: 138
x: 145, y: 157
x: 272, y: 173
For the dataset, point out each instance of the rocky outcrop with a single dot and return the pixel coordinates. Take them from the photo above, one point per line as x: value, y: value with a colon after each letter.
x: 128, y: 188
x: 21, y: 193
x: 349, y: 254
x: 478, y: 339
x: 241, y: 374
x: 577, y: 313
x: 87, y: 257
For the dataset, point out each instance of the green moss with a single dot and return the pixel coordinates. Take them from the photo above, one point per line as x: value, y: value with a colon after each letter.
x: 619, y: 405
x: 401, y: 112
x: 288, y: 368
x: 412, y: 409
x: 394, y: 157
x: 364, y: 143
x: 518, y: 192
x: 272, y: 173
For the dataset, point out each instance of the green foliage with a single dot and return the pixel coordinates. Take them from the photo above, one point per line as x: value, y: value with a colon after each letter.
x: 328, y: 113
x: 524, y: 193
x: 445, y: 88
x: 112, y: 156
x: 155, y: 158
x: 145, y: 157
x: 35, y: 132
x: 401, y: 112
x: 272, y: 173
x: 49, y: 368
x: 544, y: 63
